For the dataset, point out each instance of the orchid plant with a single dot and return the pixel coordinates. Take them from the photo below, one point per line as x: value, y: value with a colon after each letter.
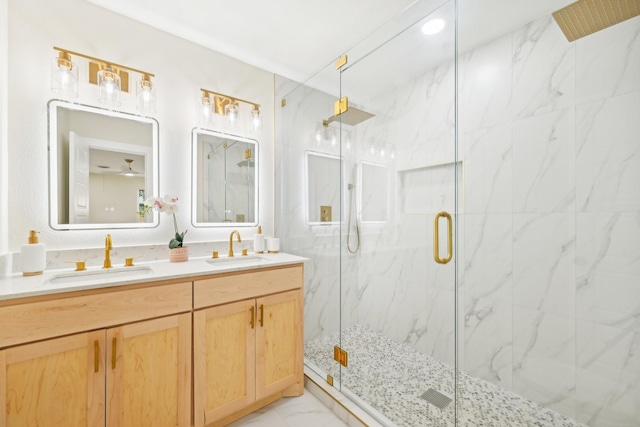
x: 169, y: 205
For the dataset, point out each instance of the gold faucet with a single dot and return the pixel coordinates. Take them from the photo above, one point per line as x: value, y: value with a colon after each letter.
x: 231, y: 241
x: 107, y: 249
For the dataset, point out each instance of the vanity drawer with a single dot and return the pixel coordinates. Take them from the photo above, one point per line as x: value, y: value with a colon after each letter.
x: 43, y: 319
x: 242, y: 285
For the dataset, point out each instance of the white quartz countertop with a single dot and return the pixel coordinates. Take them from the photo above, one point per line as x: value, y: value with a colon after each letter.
x: 68, y: 280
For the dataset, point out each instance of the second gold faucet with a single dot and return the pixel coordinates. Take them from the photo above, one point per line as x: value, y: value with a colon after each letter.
x: 231, y: 241
x: 107, y: 252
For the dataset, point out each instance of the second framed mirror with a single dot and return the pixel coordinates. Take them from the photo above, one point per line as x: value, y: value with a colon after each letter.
x: 225, y: 179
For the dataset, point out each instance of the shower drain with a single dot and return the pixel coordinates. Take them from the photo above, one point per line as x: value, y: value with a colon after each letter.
x: 436, y: 398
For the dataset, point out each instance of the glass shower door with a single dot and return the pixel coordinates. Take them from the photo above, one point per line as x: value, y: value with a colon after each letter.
x: 398, y: 276
x: 310, y: 166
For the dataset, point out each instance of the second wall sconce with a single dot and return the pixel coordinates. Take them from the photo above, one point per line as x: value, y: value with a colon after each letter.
x: 110, y: 77
x: 212, y: 103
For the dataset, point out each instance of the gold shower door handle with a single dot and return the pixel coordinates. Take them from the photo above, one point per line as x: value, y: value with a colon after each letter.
x: 436, y: 238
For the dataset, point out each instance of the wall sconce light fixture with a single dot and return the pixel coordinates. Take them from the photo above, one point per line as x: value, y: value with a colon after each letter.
x: 110, y: 77
x: 213, y: 102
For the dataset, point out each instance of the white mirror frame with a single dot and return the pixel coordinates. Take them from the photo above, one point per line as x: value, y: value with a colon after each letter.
x: 196, y: 172
x: 152, y: 165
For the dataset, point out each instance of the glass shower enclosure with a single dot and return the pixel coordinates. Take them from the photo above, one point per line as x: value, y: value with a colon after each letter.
x: 368, y: 188
x: 470, y: 211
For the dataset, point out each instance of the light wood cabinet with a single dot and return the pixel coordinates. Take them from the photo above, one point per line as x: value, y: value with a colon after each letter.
x: 247, y: 353
x: 149, y: 373
x: 62, y: 381
x: 163, y: 354
x: 58, y: 382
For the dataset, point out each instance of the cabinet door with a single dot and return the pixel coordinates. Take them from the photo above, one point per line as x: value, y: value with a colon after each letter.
x: 279, y: 359
x: 224, y: 360
x: 58, y: 382
x: 149, y: 373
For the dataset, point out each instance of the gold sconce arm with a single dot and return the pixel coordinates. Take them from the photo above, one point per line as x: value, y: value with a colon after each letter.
x: 220, y: 100
x: 97, y: 64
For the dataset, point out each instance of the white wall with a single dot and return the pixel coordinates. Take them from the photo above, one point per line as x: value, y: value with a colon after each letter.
x: 181, y: 69
x: 4, y: 161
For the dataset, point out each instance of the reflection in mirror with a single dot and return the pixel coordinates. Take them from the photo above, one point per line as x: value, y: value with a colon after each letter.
x: 323, y: 188
x: 102, y: 166
x: 374, y: 192
x: 225, y: 179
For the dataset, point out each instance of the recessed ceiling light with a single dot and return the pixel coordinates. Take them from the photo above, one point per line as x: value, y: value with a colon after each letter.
x: 433, y: 26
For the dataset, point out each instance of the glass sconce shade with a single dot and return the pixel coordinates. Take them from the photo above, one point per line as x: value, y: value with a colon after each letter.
x: 207, y: 117
x: 231, y: 111
x: 64, y: 76
x: 109, y: 85
x: 146, y: 95
x: 256, y: 120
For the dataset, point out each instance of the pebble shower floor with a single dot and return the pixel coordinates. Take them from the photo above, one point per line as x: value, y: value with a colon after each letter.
x: 391, y: 377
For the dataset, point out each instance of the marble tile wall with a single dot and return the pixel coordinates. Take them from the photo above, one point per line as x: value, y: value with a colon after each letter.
x: 548, y: 258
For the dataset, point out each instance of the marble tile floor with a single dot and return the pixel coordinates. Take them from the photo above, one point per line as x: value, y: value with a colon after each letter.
x: 391, y: 377
x: 305, y: 410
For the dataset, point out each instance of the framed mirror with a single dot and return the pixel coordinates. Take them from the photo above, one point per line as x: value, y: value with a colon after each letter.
x: 103, y: 164
x: 323, y: 173
x: 225, y: 179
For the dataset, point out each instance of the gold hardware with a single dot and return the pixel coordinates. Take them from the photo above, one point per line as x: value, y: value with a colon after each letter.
x: 239, y: 217
x: 214, y: 254
x: 244, y: 252
x: 107, y: 252
x: 325, y: 213
x: 341, y: 62
x: 97, y: 64
x: 80, y: 265
x: 340, y: 356
x: 113, y: 352
x: 95, y: 68
x: 340, y: 106
x: 261, y: 314
x: 436, y: 238
x: 221, y: 100
x: 329, y: 380
x: 234, y: 232
x: 584, y: 17
x: 96, y: 356
x: 128, y: 262
x: 283, y: 102
x: 252, y: 321
x: 247, y: 153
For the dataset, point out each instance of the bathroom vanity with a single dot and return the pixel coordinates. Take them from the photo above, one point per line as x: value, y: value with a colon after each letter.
x: 196, y: 344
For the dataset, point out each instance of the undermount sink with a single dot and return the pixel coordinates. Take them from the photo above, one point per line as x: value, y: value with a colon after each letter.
x: 242, y: 260
x: 102, y: 274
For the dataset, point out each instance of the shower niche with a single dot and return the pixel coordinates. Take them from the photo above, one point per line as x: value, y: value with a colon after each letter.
x: 427, y: 189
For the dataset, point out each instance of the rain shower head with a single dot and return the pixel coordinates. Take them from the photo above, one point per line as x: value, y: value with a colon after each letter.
x: 353, y: 116
x: 586, y: 17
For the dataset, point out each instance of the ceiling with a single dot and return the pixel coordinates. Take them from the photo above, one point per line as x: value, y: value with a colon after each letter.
x: 297, y: 38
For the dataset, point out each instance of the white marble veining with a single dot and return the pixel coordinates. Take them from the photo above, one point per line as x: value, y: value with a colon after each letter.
x: 608, y: 64
x: 608, y: 154
x: 544, y: 163
x: 543, y: 69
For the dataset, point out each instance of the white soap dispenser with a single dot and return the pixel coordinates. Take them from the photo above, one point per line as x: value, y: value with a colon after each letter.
x: 33, y: 257
x: 258, y: 241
